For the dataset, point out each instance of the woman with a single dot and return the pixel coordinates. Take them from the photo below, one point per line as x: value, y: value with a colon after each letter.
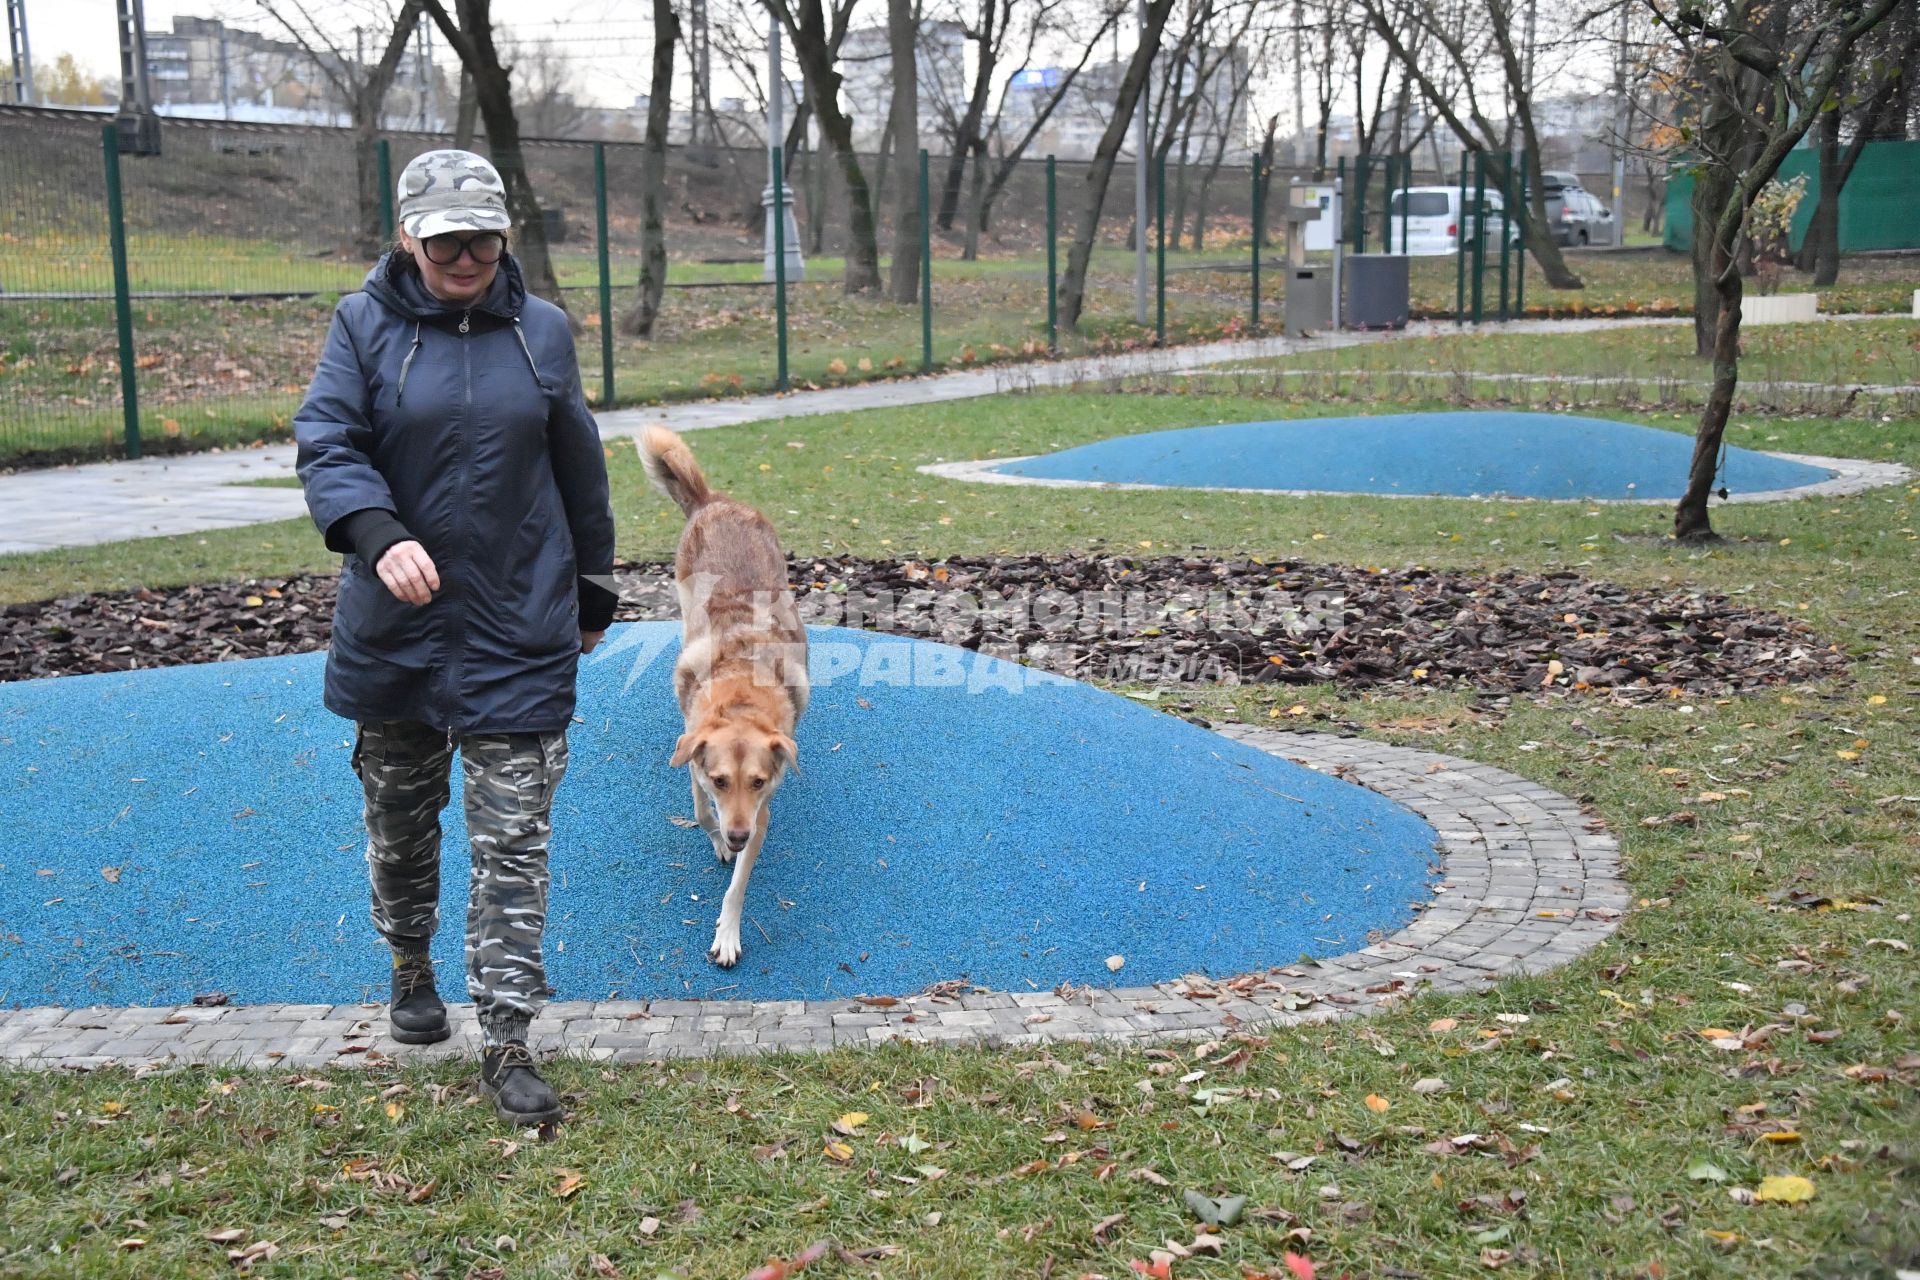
x: 447, y: 452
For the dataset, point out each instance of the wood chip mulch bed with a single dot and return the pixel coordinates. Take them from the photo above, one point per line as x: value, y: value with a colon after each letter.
x: 1147, y: 620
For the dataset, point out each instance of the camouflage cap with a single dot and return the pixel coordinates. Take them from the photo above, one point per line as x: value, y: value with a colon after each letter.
x: 451, y: 191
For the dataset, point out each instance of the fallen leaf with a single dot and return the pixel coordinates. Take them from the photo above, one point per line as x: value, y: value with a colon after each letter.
x: 1300, y: 1265
x: 229, y: 1236
x: 649, y: 1225
x: 1221, y: 1212
x: 1705, y: 1171
x: 848, y: 1125
x: 838, y: 1151
x: 1116, y: 963
x: 1430, y: 1084
x: 1105, y: 1225
x: 571, y: 1181
x: 1377, y: 1103
x: 1784, y: 1189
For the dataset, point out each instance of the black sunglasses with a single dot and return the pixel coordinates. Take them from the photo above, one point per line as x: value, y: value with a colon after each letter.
x: 445, y: 249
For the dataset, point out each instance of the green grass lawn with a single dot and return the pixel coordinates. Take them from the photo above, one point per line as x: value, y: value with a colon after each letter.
x: 1866, y: 351
x: 1624, y: 1127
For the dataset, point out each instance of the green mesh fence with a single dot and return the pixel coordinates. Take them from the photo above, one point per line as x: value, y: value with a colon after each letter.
x: 241, y: 237
x: 1876, y: 205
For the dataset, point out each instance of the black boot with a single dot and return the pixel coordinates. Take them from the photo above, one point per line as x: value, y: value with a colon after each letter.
x: 414, y: 1010
x: 519, y: 1094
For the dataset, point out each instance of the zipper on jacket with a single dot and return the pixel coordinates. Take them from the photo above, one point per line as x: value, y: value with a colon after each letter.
x: 466, y: 318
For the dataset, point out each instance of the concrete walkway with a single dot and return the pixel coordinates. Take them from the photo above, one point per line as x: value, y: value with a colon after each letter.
x: 113, y: 501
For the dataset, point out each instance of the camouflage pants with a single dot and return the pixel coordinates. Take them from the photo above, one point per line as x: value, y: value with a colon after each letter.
x: 509, y: 784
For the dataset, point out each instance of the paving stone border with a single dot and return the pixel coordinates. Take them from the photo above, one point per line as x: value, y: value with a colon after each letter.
x: 1527, y: 882
x: 1850, y: 476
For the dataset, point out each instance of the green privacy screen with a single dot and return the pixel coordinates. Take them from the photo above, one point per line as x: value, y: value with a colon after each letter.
x: 1876, y: 205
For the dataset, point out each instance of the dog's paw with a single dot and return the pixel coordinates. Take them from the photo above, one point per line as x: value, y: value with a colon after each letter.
x: 725, y: 950
x: 723, y: 853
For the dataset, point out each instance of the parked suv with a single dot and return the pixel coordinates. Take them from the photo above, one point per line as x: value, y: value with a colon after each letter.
x: 1576, y: 216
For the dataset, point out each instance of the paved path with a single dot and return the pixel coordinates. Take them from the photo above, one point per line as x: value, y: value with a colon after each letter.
x: 1528, y: 882
x: 112, y: 501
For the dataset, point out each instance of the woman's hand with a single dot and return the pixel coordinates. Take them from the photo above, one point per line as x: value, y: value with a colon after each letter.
x: 408, y: 571
x: 588, y: 639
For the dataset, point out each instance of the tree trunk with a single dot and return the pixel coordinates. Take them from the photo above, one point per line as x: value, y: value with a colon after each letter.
x: 976, y: 207
x: 1711, y: 190
x: 653, y: 241
x: 903, y: 33
x: 813, y: 49
x: 370, y: 95
x: 1073, y: 290
x: 493, y: 91
x: 463, y: 114
x: 965, y: 133
x: 1690, y: 520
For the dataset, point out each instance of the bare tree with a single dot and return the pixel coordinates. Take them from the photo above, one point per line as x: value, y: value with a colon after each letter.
x: 1241, y: 69
x: 653, y: 182
x: 903, y: 41
x: 544, y: 98
x: 471, y: 37
x: 1013, y: 149
x: 815, y: 50
x: 1073, y: 288
x: 1867, y: 107
x: 1420, y: 35
x: 1763, y: 71
x: 362, y: 88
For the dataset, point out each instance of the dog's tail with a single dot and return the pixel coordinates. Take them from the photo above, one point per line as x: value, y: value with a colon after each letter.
x: 671, y: 468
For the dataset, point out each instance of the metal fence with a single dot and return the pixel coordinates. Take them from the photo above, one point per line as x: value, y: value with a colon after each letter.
x: 179, y: 301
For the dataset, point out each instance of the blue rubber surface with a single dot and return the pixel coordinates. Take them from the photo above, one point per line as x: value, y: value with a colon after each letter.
x: 1520, y: 455
x: 1017, y: 836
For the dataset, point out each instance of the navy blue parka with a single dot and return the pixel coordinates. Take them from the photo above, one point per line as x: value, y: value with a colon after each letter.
x: 464, y: 428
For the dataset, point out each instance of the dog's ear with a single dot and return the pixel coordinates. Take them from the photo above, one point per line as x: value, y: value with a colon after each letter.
x: 686, y: 749
x: 783, y: 746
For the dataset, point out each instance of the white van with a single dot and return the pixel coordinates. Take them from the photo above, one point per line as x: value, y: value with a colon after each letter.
x: 1433, y: 220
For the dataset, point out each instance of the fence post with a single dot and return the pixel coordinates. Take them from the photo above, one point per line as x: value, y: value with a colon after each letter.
x: 1460, y: 250
x: 1259, y: 225
x: 1520, y: 249
x: 926, y: 274
x: 779, y: 267
x: 1344, y: 231
x: 1406, y: 196
x: 122, y: 296
x: 1386, y: 204
x: 1053, y: 266
x: 606, y: 274
x: 1160, y: 251
x: 1479, y: 231
x: 1506, y: 223
x: 385, y: 155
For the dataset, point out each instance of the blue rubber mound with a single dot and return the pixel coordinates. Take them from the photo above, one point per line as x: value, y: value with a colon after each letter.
x: 1517, y: 455
x: 196, y: 829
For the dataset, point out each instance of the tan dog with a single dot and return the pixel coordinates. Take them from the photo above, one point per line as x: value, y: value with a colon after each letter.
x: 742, y: 674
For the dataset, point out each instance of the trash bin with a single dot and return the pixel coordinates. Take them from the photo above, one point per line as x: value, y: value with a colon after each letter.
x: 1309, y: 301
x: 554, y: 221
x: 1377, y: 291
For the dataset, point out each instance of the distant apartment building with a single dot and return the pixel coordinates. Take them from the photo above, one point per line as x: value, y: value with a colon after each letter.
x: 205, y: 68
x: 866, y: 81
x: 1074, y: 129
